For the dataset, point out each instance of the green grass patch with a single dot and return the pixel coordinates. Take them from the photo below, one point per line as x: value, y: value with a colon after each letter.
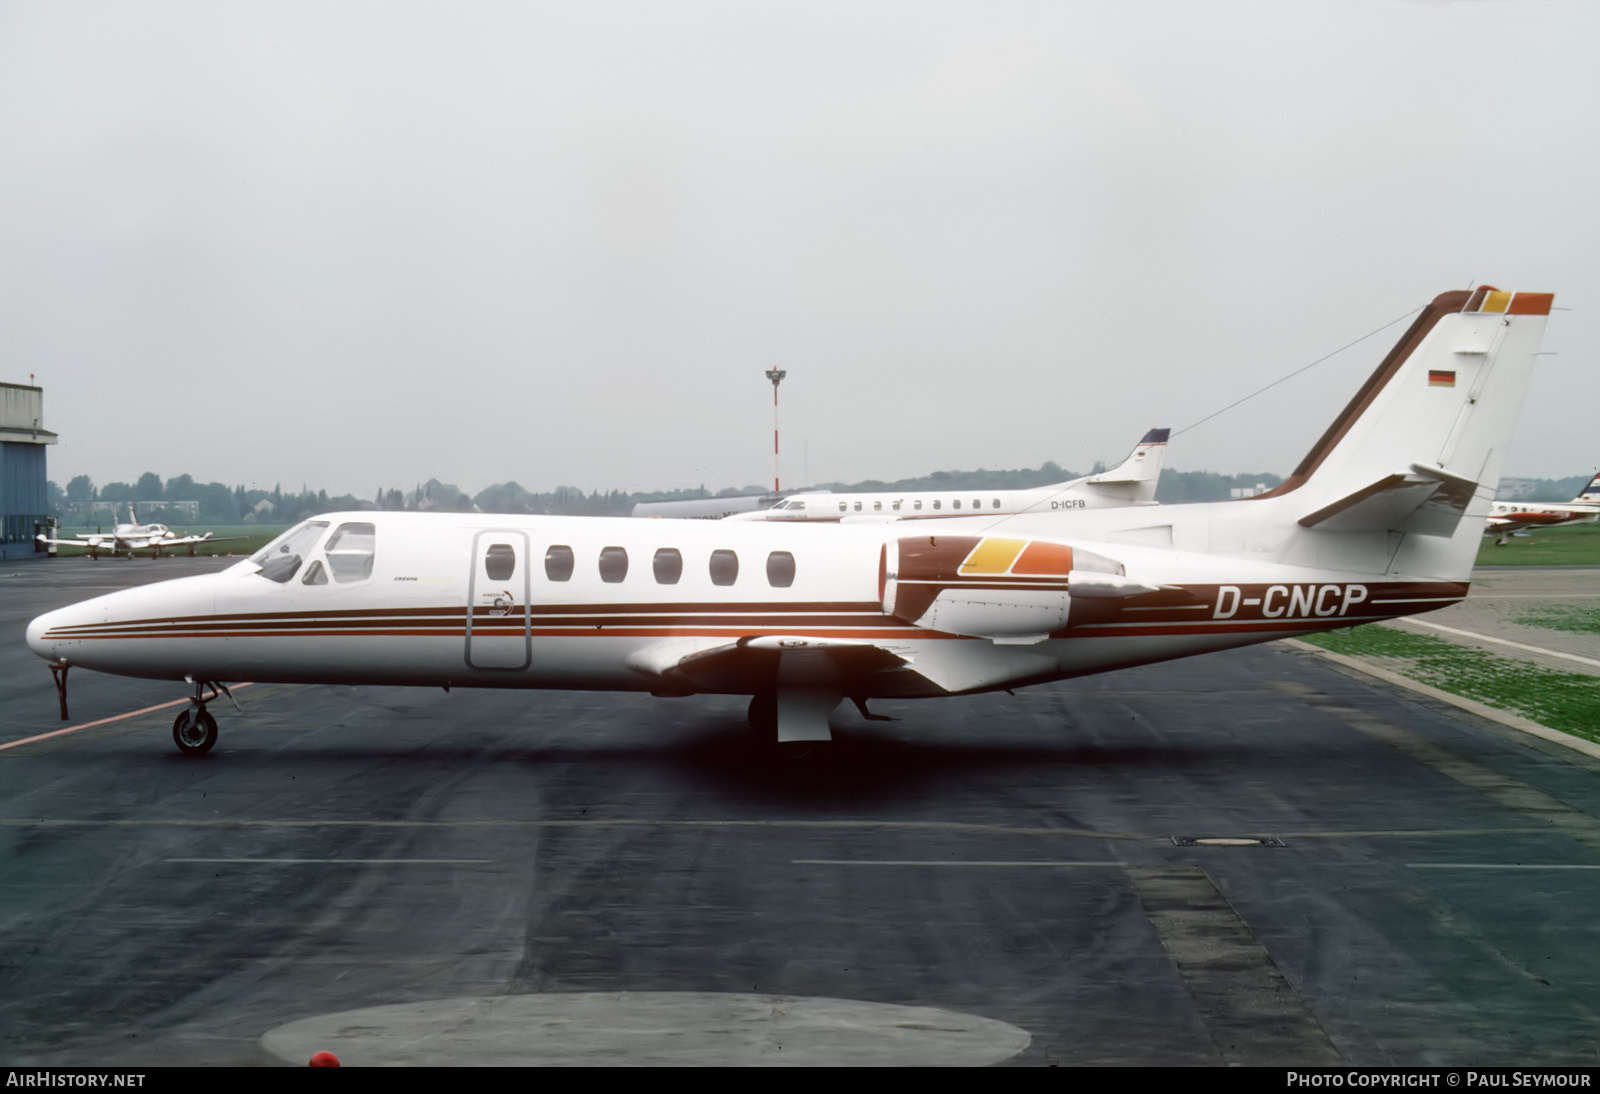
x: 1567, y: 701
x: 1577, y: 620
x: 1572, y: 545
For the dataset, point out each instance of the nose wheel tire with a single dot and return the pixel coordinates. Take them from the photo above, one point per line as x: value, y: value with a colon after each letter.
x: 194, y: 732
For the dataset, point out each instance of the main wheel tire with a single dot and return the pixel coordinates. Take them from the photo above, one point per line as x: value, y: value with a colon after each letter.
x: 194, y: 732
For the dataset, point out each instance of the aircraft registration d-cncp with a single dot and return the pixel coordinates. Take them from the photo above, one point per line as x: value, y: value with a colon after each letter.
x: 1381, y: 519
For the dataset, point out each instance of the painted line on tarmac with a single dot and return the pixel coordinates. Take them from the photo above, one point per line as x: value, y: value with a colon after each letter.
x: 1591, y: 662
x: 102, y: 721
x: 338, y: 861
x: 937, y: 862
x: 1502, y: 866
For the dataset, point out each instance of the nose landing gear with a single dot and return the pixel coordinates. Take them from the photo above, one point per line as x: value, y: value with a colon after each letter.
x: 194, y: 731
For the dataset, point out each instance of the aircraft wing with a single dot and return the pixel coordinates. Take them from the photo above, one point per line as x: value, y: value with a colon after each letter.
x: 71, y: 542
x: 691, y: 664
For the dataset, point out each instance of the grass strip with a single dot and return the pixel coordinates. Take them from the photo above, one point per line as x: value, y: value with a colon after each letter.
x: 1571, y: 545
x: 1567, y: 701
x: 1576, y: 620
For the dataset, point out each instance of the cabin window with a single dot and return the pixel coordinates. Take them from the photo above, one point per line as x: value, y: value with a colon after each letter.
x: 977, y: 503
x: 668, y: 566
x: 858, y: 507
x: 724, y: 567
x: 558, y: 563
x: 842, y: 506
x: 896, y: 507
x: 350, y: 551
x: 954, y: 505
x: 613, y: 564
x: 936, y: 503
x: 315, y: 575
x: 780, y: 569
x: 877, y: 506
x: 996, y: 503
x: 500, y: 562
x: 917, y: 504
x: 280, y: 560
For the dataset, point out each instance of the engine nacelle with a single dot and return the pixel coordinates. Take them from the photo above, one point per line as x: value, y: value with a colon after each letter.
x: 984, y: 586
x: 1008, y: 590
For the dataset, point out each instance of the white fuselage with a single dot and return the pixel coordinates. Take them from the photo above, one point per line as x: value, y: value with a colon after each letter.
x: 484, y: 601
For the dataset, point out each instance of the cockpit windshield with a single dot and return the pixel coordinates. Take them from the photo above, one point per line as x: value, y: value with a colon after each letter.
x: 280, y: 559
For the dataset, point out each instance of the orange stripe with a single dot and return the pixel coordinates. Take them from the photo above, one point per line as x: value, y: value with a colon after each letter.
x: 1531, y: 303
x: 103, y: 721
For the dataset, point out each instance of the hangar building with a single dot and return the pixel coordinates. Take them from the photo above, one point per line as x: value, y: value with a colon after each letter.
x: 24, y: 502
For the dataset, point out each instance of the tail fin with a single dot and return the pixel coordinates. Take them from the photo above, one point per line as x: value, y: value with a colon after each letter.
x: 1134, y: 479
x: 1420, y: 447
x: 1590, y: 493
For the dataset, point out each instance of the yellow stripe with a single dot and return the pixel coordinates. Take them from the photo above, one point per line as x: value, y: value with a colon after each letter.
x: 993, y: 556
x: 1496, y: 301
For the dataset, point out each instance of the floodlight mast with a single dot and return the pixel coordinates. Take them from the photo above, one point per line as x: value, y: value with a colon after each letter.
x: 776, y: 375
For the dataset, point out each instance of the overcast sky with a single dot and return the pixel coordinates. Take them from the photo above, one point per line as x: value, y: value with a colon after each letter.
x: 361, y: 244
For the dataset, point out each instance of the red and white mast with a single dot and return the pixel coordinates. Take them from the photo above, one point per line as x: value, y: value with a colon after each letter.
x: 776, y: 375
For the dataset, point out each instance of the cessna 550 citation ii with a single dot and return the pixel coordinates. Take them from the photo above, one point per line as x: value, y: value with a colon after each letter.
x: 1508, y: 518
x: 1132, y: 482
x: 1381, y: 519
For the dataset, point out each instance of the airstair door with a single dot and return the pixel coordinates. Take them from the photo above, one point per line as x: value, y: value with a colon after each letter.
x: 499, y: 619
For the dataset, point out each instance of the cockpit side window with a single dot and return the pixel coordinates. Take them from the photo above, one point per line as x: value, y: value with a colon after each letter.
x: 315, y: 574
x: 350, y: 552
x: 280, y: 560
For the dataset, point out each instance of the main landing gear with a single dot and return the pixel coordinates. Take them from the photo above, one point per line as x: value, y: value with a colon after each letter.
x: 194, y: 731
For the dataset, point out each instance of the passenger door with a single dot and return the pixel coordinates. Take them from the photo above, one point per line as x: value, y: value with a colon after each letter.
x: 499, y: 619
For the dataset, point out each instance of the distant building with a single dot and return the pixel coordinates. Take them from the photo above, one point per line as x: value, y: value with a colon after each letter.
x: 189, y: 509
x: 24, y: 501
x: 1239, y: 493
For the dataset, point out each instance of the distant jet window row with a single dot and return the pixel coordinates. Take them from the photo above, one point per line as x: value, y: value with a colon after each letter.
x: 666, y: 565
x: 877, y: 506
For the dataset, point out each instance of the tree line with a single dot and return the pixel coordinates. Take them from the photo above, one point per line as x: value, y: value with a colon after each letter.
x: 84, y: 502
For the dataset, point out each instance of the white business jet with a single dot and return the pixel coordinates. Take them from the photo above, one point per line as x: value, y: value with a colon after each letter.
x: 1381, y: 519
x: 1131, y: 482
x: 1508, y: 518
x: 125, y: 539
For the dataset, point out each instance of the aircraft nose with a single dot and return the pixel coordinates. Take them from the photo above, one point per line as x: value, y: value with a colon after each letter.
x: 41, y: 625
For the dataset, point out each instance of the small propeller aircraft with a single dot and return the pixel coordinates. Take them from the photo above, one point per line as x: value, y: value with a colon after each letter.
x: 1509, y: 518
x: 1381, y: 519
x: 125, y: 539
x: 1132, y: 482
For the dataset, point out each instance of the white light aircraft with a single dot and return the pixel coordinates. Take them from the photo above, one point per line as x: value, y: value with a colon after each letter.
x: 1507, y: 518
x: 1132, y: 482
x: 1381, y: 519
x: 125, y: 539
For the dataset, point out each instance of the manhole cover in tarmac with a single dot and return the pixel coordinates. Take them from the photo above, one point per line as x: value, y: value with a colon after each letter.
x: 648, y: 1028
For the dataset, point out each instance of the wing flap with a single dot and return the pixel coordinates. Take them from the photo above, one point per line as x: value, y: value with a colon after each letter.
x: 699, y: 664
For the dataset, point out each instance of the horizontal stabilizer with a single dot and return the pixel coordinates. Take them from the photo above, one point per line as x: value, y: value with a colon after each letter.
x: 1424, y: 501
